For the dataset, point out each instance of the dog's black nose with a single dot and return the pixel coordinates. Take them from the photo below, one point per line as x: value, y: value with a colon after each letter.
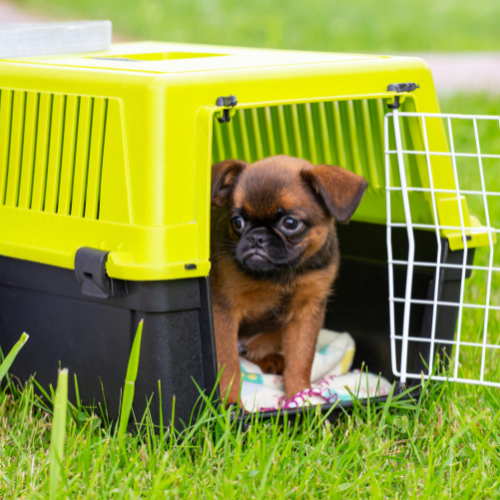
x: 258, y: 239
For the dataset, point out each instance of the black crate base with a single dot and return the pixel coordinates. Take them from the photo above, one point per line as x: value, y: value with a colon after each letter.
x: 92, y: 337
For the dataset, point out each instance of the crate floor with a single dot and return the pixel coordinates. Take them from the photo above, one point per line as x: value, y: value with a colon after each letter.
x: 332, y: 379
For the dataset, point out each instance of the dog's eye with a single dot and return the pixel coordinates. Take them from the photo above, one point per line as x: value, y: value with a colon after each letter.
x: 290, y: 224
x: 238, y: 223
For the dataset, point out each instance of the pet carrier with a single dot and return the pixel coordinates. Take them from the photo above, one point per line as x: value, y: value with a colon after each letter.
x: 105, y: 164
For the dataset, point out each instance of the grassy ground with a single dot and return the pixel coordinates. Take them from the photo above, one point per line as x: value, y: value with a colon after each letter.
x: 445, y: 445
x: 357, y: 25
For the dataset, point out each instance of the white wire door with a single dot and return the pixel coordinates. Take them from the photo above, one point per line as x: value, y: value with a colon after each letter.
x: 443, y: 214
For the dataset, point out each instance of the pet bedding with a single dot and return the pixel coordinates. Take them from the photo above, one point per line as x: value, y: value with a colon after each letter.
x: 331, y: 379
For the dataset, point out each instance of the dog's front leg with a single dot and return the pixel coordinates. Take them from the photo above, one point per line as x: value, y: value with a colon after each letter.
x: 226, y: 344
x: 299, y: 343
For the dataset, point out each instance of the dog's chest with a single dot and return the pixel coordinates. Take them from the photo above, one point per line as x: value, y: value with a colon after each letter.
x: 267, y: 317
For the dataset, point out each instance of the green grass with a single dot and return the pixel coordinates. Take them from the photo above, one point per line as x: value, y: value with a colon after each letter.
x: 330, y: 25
x: 445, y: 445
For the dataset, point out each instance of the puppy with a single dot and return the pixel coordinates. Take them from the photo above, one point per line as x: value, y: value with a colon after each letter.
x: 274, y: 259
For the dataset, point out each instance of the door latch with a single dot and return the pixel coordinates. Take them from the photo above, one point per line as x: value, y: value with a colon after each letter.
x: 400, y: 87
x: 90, y: 271
x: 228, y: 102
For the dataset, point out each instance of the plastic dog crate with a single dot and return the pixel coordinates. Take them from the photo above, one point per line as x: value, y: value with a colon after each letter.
x: 105, y: 164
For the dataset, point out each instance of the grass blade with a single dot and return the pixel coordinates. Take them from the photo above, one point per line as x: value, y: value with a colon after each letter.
x: 4, y: 367
x: 128, y: 391
x: 58, y: 431
x: 386, y: 410
x: 162, y: 430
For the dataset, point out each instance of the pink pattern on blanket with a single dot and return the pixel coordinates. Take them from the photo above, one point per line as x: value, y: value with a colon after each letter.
x: 328, y: 395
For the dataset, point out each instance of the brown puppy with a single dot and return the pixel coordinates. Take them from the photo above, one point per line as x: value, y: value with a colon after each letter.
x: 274, y: 258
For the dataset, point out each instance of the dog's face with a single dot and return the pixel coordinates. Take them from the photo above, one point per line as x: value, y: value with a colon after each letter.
x: 281, y: 211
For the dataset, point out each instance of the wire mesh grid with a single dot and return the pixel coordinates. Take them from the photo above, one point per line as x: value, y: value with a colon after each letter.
x: 440, y: 169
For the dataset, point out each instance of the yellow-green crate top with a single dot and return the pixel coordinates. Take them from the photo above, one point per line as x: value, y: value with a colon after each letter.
x: 112, y: 150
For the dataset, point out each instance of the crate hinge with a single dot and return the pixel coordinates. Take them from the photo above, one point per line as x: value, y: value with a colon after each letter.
x: 228, y: 103
x: 90, y: 271
x: 400, y: 87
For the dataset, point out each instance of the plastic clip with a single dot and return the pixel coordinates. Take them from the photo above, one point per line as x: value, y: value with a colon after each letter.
x: 90, y: 271
x: 228, y: 102
x: 400, y: 87
x: 395, y: 104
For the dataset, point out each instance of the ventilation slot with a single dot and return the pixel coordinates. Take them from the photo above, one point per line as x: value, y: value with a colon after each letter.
x: 51, y: 151
x: 344, y: 133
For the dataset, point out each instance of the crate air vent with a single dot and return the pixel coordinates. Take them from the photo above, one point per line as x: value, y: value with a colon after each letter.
x: 51, y: 152
x: 344, y: 133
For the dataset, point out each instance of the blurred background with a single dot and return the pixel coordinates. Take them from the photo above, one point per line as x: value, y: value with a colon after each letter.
x: 326, y: 25
x: 460, y: 39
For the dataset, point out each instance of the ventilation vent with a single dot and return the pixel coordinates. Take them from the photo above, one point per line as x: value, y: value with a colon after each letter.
x: 344, y: 133
x: 51, y: 151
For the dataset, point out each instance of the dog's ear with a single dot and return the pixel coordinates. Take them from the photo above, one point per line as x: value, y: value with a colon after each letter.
x: 224, y: 177
x: 339, y: 190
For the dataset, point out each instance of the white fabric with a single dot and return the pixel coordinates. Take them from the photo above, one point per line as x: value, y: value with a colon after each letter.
x: 330, y: 380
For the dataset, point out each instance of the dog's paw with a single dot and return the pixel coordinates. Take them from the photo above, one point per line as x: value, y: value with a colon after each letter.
x: 273, y: 364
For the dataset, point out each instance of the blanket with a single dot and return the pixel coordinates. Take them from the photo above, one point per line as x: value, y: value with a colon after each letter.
x: 331, y: 380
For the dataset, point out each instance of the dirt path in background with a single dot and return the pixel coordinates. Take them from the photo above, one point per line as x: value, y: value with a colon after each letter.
x: 467, y: 72
x: 470, y: 72
x: 11, y: 14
